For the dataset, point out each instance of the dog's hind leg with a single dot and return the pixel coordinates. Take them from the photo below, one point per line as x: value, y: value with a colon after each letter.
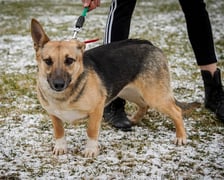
x: 169, y: 108
x: 162, y: 100
x: 139, y: 114
x: 59, y: 134
x: 133, y: 93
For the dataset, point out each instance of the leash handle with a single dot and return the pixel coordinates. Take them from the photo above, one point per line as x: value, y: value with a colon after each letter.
x: 81, y: 18
x: 80, y: 21
x: 85, y: 10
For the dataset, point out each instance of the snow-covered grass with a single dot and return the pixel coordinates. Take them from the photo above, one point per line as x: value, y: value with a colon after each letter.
x: 148, y: 152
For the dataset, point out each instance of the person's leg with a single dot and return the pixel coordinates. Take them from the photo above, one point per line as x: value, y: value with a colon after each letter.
x: 200, y: 35
x: 119, y: 20
x: 117, y: 28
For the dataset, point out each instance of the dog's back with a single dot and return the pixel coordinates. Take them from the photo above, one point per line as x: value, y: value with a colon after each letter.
x: 121, y: 62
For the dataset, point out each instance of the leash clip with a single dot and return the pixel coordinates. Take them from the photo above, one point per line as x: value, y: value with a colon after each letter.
x: 76, y: 31
x: 79, y: 23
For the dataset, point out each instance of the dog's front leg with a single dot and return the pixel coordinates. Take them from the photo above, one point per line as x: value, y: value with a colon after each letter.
x: 94, y: 123
x: 59, y: 134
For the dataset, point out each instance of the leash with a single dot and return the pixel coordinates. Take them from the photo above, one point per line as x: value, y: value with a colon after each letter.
x: 78, y: 26
x: 91, y: 40
x: 79, y: 23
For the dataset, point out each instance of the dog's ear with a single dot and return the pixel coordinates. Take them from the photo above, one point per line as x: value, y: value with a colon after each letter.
x: 81, y: 46
x: 38, y: 35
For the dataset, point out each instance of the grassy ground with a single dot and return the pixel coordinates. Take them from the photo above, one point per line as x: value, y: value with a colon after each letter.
x: 26, y: 136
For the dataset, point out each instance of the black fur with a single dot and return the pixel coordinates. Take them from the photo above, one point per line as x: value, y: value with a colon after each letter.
x: 79, y: 86
x: 118, y: 62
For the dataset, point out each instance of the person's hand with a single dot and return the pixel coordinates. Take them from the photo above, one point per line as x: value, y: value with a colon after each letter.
x: 92, y: 4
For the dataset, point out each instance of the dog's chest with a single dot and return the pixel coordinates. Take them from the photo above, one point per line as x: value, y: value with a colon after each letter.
x: 64, y: 114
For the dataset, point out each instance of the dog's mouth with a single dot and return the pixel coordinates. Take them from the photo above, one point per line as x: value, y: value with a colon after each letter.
x: 59, y: 84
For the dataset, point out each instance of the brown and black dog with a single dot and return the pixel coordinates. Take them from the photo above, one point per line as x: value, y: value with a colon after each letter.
x: 73, y: 84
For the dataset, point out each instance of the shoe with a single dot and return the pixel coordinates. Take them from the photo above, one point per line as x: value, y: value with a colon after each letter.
x: 214, y: 93
x: 114, y: 114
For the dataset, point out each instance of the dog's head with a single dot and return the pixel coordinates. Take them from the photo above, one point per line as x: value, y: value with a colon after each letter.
x: 59, y: 62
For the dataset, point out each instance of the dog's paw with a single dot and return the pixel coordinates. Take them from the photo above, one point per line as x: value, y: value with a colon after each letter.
x: 60, y: 146
x: 92, y: 149
x: 180, y: 141
x: 133, y: 120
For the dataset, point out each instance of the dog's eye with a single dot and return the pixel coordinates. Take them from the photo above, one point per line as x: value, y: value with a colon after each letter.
x: 48, y: 61
x: 69, y: 61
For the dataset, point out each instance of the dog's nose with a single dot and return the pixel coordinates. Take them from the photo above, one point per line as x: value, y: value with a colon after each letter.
x: 58, y: 84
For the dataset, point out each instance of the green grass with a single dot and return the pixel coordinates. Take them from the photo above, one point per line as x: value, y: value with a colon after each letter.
x: 13, y: 89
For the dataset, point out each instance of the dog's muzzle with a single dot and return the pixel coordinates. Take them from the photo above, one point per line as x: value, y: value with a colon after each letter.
x: 59, y: 83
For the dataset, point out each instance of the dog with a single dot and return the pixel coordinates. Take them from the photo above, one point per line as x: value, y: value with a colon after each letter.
x: 74, y: 84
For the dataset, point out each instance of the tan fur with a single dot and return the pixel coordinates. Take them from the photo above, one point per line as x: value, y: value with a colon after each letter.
x: 67, y: 106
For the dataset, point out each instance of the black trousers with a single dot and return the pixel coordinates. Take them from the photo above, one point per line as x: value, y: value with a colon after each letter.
x: 197, y: 20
